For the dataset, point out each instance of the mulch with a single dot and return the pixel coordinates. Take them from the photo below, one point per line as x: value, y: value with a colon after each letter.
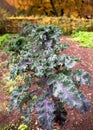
x: 75, y: 120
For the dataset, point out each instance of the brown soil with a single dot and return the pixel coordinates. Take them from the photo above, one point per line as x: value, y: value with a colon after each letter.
x: 75, y: 120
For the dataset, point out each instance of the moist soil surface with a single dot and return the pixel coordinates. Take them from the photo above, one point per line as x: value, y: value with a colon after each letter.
x: 75, y: 120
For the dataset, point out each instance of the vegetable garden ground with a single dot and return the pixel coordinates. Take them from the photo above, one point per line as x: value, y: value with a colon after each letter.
x: 75, y: 120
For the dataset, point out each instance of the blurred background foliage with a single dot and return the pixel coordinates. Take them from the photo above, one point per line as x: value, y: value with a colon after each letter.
x: 70, y: 15
x: 77, y: 8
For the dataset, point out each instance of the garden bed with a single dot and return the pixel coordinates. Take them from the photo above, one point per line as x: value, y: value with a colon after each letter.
x: 75, y: 120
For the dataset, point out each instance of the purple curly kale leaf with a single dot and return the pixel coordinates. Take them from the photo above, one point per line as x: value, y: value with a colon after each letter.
x: 72, y: 96
x: 45, y: 110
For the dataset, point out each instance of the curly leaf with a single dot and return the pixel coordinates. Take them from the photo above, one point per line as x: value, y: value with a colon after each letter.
x: 82, y: 76
x: 72, y: 96
x: 69, y: 63
x: 46, y: 109
x: 20, y: 97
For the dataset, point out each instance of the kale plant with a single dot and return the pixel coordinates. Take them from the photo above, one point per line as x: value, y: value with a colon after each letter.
x: 35, y: 56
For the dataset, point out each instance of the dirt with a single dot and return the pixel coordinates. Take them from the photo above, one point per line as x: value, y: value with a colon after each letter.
x: 75, y: 120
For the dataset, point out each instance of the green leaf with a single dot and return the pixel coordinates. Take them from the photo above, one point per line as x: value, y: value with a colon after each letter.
x: 65, y: 90
x: 46, y: 113
x: 82, y: 77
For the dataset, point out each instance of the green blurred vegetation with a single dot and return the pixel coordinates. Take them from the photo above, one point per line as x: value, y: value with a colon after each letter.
x: 85, y: 38
x: 3, y: 40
